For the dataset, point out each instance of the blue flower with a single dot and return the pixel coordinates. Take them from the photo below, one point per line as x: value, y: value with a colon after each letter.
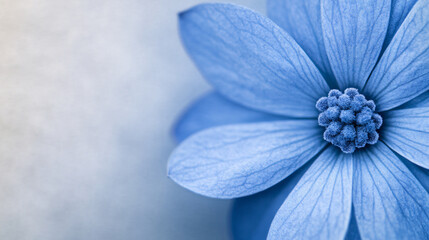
x: 320, y: 122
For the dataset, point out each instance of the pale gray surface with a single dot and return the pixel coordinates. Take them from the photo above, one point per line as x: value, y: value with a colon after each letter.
x: 89, y: 90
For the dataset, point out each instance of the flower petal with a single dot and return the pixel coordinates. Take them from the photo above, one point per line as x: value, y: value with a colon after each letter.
x: 354, y: 33
x: 403, y: 71
x: 418, y: 102
x: 398, y: 12
x: 239, y: 160
x: 251, y: 60
x: 252, y: 215
x: 213, y: 110
x: 320, y: 205
x: 389, y: 201
x: 422, y: 174
x: 301, y: 19
x: 407, y: 132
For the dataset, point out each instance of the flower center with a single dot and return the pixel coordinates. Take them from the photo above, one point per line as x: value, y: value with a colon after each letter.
x: 350, y: 120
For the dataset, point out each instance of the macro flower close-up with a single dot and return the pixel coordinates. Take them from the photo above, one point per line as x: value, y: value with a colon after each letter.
x: 318, y: 126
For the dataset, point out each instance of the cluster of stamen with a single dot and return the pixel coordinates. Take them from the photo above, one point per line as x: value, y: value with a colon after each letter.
x: 350, y: 120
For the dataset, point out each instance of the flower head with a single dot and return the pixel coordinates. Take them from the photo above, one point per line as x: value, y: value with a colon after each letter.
x: 350, y: 120
x: 320, y: 119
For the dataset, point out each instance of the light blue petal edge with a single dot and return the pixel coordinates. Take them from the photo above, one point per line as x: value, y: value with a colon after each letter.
x: 398, y: 12
x: 354, y: 33
x: 250, y: 60
x: 406, y: 131
x: 301, y: 19
x: 212, y: 110
x: 403, y: 70
x: 320, y: 205
x: 239, y: 160
x: 418, y: 102
x: 422, y: 174
x: 252, y: 216
x: 389, y: 201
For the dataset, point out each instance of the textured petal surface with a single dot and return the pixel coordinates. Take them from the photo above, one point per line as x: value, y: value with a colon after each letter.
x: 320, y: 205
x: 398, y: 12
x: 251, y: 60
x: 407, y: 132
x: 389, y: 201
x: 252, y: 215
x: 403, y: 71
x: 239, y: 160
x: 422, y: 174
x: 301, y: 19
x: 354, y: 33
x: 214, y: 110
x: 420, y: 101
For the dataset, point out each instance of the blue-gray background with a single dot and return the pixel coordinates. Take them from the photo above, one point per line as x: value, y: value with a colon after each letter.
x: 89, y: 90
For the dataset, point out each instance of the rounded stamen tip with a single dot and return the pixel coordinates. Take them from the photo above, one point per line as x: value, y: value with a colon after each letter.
x: 349, y: 118
x: 322, y: 104
x: 334, y: 93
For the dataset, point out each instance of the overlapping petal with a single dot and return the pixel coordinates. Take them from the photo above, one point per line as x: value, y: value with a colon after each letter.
x: 398, y: 12
x: 407, y: 132
x: 418, y: 102
x: 252, y: 215
x: 422, y: 174
x: 214, y: 110
x: 301, y: 19
x: 403, y: 71
x: 239, y: 160
x: 251, y: 60
x: 320, y: 205
x: 354, y: 33
x: 389, y: 201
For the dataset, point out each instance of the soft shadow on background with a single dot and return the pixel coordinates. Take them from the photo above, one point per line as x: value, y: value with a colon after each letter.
x: 89, y: 90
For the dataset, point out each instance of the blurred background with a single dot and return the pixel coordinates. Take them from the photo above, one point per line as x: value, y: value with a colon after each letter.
x: 89, y: 90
